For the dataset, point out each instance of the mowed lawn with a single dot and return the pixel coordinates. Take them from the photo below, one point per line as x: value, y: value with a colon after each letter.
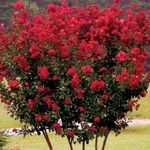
x: 132, y: 138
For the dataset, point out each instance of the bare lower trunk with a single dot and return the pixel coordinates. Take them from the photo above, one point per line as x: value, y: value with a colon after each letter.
x: 47, y: 140
x: 105, y: 140
x: 96, y: 142
x: 70, y: 142
x: 83, y: 145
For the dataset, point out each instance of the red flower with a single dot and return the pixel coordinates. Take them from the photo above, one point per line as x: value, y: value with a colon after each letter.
x: 18, y: 5
x: 38, y: 118
x: 97, y: 119
x: 124, y: 76
x: 55, y: 78
x: 64, y: 51
x: 45, y: 117
x: 117, y: 1
x: 134, y: 81
x: 68, y: 101
x: 22, y: 62
x: 72, y: 71
x: 30, y: 104
x: 82, y: 110
x: 26, y: 84
x: 47, y: 90
x: 40, y: 89
x: 1, y: 78
x: 75, y: 81
x: 97, y: 85
x: 57, y: 127
x: 51, y: 52
x: 14, y: 130
x: 105, y: 97
x: 92, y: 129
x: 135, y: 51
x: 103, y: 69
x: 87, y: 69
x: 43, y: 72
x: 48, y: 101
x: 54, y: 107
x: 70, y: 132
x: 80, y: 93
x: 14, y: 84
x: 130, y: 105
x: 143, y: 94
x: 121, y: 56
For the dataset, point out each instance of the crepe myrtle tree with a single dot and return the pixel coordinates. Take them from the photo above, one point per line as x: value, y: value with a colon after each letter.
x: 76, y: 71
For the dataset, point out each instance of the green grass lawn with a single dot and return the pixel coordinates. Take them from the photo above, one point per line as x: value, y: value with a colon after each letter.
x: 5, y: 120
x: 132, y: 138
x: 144, y: 110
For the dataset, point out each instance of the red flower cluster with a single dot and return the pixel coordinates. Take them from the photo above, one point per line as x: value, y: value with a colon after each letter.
x: 13, y: 84
x: 70, y: 132
x: 43, y: 72
x: 97, y: 85
x: 87, y: 69
x: 18, y: 5
x: 22, y: 62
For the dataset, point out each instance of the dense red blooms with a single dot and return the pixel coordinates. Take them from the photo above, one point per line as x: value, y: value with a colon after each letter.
x: 134, y: 81
x: 143, y: 94
x: 135, y: 51
x: 54, y: 107
x: 80, y: 93
x: 52, y: 52
x: 87, y: 69
x: 70, y: 132
x: 30, y: 104
x: 105, y: 97
x: 82, y: 110
x: 1, y: 78
x: 121, y: 56
x: 48, y: 101
x: 130, y: 105
x: 43, y: 72
x: 14, y: 84
x: 92, y: 129
x: 75, y: 81
x: 68, y: 101
x: 18, y: 5
x: 103, y: 69
x: 45, y: 117
x: 40, y: 89
x: 57, y: 127
x: 123, y: 77
x: 55, y: 77
x: 97, y: 85
x: 38, y: 118
x: 97, y: 119
x: 71, y: 71
x: 22, y: 62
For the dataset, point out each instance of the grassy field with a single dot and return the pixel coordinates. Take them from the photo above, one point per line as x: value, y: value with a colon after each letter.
x: 132, y: 138
x: 5, y: 120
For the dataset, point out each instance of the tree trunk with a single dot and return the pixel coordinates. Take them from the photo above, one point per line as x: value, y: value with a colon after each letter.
x: 105, y: 140
x: 96, y: 142
x: 70, y: 143
x: 47, y: 139
x: 83, y: 145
